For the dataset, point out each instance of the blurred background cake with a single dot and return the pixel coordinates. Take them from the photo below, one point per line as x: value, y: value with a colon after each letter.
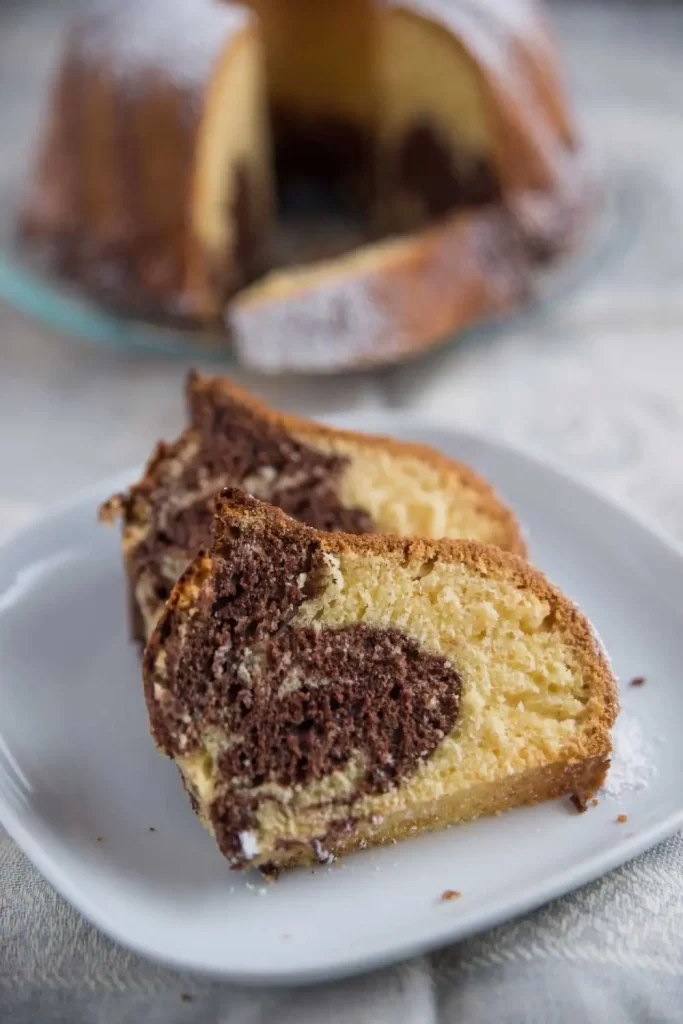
x: 337, y: 184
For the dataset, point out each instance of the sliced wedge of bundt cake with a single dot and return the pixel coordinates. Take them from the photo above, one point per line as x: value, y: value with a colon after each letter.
x: 330, y: 479
x: 320, y: 691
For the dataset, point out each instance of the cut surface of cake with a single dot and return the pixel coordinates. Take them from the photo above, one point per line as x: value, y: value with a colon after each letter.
x: 322, y: 692
x: 177, y: 130
x: 330, y: 479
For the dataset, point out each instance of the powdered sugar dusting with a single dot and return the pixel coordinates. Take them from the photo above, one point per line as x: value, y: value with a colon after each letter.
x: 343, y: 320
x: 633, y: 763
x: 249, y: 844
x: 180, y: 38
x: 334, y: 324
x: 322, y: 855
x: 600, y: 642
x: 486, y: 36
x: 519, y: 16
x: 260, y: 890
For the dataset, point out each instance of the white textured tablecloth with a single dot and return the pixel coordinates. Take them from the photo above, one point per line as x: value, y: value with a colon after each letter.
x: 595, y: 381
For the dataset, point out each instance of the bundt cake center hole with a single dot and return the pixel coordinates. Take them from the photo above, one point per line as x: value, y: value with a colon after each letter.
x: 331, y: 193
x: 364, y: 144
x: 318, y: 214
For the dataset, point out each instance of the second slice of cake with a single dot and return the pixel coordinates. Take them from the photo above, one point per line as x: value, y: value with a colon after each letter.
x: 320, y: 692
x: 333, y: 480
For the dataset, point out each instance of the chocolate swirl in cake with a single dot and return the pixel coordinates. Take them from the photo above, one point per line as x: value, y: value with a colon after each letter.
x: 292, y: 705
x: 226, y: 445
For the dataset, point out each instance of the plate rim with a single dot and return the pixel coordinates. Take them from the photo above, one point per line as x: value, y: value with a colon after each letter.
x: 446, y: 932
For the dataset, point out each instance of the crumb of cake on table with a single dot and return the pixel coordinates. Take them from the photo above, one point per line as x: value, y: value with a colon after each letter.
x: 450, y: 894
x: 638, y: 681
x: 595, y: 802
x: 579, y: 803
x: 622, y: 819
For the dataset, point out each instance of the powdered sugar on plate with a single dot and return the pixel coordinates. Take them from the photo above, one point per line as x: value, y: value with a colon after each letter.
x: 330, y: 325
x: 633, y: 764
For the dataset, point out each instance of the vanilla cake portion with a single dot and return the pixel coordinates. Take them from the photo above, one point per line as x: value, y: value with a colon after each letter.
x: 321, y: 692
x: 330, y: 479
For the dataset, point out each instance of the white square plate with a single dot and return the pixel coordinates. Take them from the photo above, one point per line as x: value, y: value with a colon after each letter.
x: 106, y: 820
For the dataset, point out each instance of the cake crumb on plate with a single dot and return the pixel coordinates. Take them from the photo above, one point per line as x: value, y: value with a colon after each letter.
x: 450, y: 894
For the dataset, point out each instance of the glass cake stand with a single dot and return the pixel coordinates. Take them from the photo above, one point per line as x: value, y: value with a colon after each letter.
x: 66, y: 309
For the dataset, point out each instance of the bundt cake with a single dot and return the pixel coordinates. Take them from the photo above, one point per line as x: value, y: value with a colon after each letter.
x: 331, y: 479
x: 177, y: 130
x: 321, y: 692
